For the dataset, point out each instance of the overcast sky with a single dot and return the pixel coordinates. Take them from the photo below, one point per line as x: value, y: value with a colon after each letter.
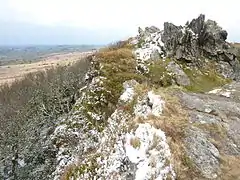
x: 102, y: 21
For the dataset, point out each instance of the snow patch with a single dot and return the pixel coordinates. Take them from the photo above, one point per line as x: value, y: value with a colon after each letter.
x: 157, y: 103
x: 222, y: 92
x: 226, y: 94
x: 152, y: 104
x: 127, y: 95
x: 215, y: 91
x: 152, y: 155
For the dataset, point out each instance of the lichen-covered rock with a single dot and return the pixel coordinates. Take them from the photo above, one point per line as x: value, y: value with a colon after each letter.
x: 203, y: 153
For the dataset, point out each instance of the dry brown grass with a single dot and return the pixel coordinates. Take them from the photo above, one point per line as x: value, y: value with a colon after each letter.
x: 230, y: 168
x: 174, y: 122
x: 68, y: 172
x: 135, y: 142
x: 121, y: 44
x: 109, y: 56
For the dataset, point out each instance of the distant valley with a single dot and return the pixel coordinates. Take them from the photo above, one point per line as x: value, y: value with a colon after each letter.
x: 26, y: 54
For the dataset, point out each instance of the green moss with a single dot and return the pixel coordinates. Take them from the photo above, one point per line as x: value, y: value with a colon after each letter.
x: 140, y: 43
x: 204, y: 79
x: 118, y: 69
x: 188, y: 162
x: 74, y: 171
x: 158, y: 73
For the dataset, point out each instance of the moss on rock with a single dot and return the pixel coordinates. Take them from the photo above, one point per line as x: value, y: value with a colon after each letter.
x: 158, y: 73
x: 204, y: 79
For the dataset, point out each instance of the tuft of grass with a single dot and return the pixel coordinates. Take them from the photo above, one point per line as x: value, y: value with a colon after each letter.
x: 230, y: 166
x: 135, y: 142
x: 121, y: 44
x: 118, y: 66
x: 75, y: 171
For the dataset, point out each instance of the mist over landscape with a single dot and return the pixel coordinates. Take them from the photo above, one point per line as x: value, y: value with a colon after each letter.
x: 31, y: 34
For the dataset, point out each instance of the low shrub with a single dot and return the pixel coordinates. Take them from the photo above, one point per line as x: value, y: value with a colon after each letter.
x: 37, y: 100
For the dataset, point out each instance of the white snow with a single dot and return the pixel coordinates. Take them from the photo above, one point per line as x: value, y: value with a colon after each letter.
x: 21, y: 162
x: 152, y: 155
x: 222, y: 92
x: 215, y: 91
x: 152, y: 45
x: 154, y: 106
x: 145, y: 53
x: 127, y: 95
x: 226, y: 94
x: 157, y: 103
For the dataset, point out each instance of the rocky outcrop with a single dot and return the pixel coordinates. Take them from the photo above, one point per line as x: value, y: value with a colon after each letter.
x: 194, y: 42
x: 215, y: 129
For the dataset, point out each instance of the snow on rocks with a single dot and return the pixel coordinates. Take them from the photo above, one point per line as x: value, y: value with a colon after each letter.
x: 76, y: 134
x: 151, y: 104
x: 147, y: 147
x: 119, y: 151
x: 128, y: 91
x: 222, y: 92
x: 123, y: 152
x: 231, y: 91
x: 142, y: 154
x: 151, y: 47
x: 127, y: 95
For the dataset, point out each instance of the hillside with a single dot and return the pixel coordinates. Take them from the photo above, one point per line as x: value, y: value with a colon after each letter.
x: 162, y: 105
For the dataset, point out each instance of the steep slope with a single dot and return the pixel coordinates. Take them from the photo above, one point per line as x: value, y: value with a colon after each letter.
x: 162, y: 105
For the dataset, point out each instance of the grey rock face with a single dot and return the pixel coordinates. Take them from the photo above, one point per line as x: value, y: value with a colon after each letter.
x: 180, y: 77
x: 214, y: 117
x: 197, y: 40
x: 203, y: 153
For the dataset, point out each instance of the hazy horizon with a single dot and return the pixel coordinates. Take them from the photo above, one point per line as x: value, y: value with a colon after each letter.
x: 76, y: 22
x: 31, y: 34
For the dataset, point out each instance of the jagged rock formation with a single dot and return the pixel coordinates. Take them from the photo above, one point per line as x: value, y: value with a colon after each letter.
x: 172, y: 111
x: 193, y: 42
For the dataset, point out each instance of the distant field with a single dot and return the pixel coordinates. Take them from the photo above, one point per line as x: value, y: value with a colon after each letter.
x: 26, y: 54
x: 9, y: 73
